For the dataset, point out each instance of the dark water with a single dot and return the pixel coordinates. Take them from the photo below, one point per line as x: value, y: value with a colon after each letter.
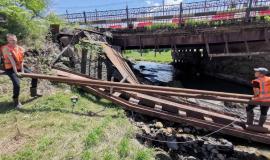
x: 165, y: 74
x: 155, y: 72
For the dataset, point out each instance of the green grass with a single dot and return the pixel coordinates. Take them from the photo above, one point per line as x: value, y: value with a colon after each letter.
x: 48, y: 128
x: 124, y: 147
x: 149, y: 55
x: 145, y: 154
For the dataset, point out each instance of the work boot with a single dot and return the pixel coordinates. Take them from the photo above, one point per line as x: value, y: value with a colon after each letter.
x: 250, y: 118
x: 33, y: 92
x: 262, y: 120
x: 17, y: 103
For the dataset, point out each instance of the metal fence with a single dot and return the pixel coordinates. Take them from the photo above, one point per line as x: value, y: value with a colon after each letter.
x: 209, y: 10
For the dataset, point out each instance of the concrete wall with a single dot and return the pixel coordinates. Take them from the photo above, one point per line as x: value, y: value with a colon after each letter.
x: 239, y: 67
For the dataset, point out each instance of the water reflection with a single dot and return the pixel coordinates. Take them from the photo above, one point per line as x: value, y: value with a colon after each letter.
x: 166, y: 74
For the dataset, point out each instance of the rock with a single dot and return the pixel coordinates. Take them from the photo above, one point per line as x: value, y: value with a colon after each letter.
x: 171, y: 144
x: 159, y: 131
x: 185, y: 137
x: 224, y: 141
x: 162, y: 156
x: 139, y: 124
x: 191, y: 158
x: 180, y: 130
x: 194, y: 144
x: 205, y: 153
x: 220, y: 157
x: 214, y: 151
x: 182, y: 149
x: 146, y: 129
x: 198, y: 128
x: 210, y: 147
x: 187, y: 130
x: 169, y: 131
x: 159, y: 125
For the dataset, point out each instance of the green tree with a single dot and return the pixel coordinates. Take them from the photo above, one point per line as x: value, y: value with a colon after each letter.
x: 26, y: 19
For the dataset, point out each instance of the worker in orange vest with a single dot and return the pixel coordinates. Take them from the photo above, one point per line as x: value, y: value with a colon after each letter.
x: 13, y: 57
x: 261, y: 89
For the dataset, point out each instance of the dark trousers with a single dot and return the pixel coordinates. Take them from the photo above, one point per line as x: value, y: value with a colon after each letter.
x: 16, y: 81
x: 264, y: 109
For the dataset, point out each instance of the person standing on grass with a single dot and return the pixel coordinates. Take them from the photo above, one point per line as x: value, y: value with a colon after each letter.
x: 13, y: 59
x: 261, y: 89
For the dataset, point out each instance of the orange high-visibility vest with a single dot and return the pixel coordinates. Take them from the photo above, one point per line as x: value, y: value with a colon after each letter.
x: 16, y: 52
x: 264, y: 95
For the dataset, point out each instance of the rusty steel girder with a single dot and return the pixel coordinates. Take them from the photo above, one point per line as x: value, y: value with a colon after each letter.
x: 193, y: 117
x: 238, y: 39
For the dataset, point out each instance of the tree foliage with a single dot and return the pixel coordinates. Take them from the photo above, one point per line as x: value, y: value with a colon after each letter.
x: 26, y: 19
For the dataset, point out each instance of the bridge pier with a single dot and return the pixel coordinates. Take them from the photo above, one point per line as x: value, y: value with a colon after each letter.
x: 189, y: 59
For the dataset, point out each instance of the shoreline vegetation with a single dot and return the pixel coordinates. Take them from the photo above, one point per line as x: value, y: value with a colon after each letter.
x: 149, y: 55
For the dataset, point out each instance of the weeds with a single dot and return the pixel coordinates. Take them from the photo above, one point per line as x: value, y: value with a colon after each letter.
x: 145, y: 154
x: 109, y: 155
x: 86, y: 155
x: 68, y: 135
x: 156, y: 26
x: 44, y: 143
x: 149, y: 55
x: 123, y: 147
x: 96, y: 134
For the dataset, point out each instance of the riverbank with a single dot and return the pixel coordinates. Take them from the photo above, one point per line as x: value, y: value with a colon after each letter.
x: 149, y: 55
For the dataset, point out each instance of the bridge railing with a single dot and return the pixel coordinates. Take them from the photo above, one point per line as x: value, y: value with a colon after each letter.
x: 207, y: 10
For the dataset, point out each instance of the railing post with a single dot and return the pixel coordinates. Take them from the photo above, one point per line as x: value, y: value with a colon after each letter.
x: 163, y: 7
x: 248, y: 11
x: 67, y: 16
x: 96, y: 15
x: 180, y: 14
x: 84, y: 16
x: 205, y: 4
x: 127, y: 16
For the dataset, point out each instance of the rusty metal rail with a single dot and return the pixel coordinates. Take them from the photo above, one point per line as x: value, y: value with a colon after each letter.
x: 168, y: 91
x: 184, y: 114
x: 151, y: 101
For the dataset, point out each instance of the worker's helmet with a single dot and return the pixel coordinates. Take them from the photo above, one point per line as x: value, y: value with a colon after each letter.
x: 262, y: 70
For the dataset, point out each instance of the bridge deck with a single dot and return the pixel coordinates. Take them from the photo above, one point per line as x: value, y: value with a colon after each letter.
x: 216, y: 40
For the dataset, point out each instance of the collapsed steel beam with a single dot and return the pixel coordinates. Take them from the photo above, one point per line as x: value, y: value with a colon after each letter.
x: 140, y: 86
x: 237, y: 132
x: 169, y: 91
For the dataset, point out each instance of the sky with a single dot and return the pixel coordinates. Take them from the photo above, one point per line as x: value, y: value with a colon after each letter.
x: 73, y: 6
